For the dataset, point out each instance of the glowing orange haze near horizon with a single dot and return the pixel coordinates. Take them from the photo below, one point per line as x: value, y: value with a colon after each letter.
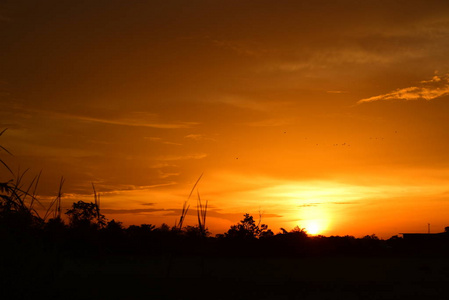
x: 325, y: 208
x: 332, y: 117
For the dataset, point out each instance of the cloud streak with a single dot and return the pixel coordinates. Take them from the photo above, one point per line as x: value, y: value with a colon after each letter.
x: 136, y: 122
x: 132, y: 211
x: 183, y: 157
x: 271, y: 123
x: 427, y: 90
x: 132, y: 119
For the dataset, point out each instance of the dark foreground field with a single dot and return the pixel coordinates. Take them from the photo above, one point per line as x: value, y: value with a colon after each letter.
x: 194, y: 277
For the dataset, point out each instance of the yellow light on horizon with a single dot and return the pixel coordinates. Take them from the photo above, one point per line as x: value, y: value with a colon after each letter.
x: 314, y: 227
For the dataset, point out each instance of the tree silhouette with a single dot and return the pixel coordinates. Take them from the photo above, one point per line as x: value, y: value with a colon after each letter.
x: 85, y: 215
x: 195, y: 231
x: 114, y: 227
x: 247, y: 229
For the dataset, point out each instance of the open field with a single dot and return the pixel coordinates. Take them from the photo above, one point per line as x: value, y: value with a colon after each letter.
x: 164, y: 277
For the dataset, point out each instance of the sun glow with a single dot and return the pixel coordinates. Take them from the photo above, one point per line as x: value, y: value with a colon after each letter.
x: 313, y: 227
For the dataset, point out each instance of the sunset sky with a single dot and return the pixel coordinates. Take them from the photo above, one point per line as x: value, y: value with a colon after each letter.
x: 328, y: 115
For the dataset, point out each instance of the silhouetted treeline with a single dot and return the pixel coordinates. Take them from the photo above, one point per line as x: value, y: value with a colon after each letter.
x: 88, y: 233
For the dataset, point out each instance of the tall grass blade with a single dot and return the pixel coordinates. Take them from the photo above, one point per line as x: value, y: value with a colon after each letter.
x: 201, y: 213
x: 198, y: 212
x: 27, y: 192
x: 33, y: 196
x: 6, y: 166
x: 194, y: 186
x: 59, y: 197
x: 97, y: 200
x: 185, y: 208
x: 4, y: 149
x: 56, y: 202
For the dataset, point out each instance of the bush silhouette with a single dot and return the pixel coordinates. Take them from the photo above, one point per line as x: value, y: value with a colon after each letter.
x: 85, y: 215
x: 247, y: 229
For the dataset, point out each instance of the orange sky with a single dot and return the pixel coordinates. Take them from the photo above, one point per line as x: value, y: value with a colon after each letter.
x: 328, y: 115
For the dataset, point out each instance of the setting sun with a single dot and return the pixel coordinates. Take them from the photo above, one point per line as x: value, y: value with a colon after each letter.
x: 313, y: 227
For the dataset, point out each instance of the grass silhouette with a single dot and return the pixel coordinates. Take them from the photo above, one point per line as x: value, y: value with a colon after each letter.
x: 4, y: 149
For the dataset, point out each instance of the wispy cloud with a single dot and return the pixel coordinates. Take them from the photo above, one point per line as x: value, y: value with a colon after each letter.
x: 309, y: 205
x: 198, y: 137
x: 270, y: 123
x: 172, y: 143
x: 428, y: 90
x: 326, y: 203
x: 244, y: 103
x: 160, y: 140
x: 136, y: 122
x: 162, y: 165
x: 153, y: 138
x: 111, y: 189
x: 164, y: 175
x: 240, y: 47
x: 336, y: 92
x: 132, y: 119
x: 183, y: 157
x: 261, y: 104
x: 195, y: 137
x: 132, y: 211
x: 234, y: 47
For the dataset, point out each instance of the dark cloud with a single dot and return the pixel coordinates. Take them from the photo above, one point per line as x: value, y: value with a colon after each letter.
x: 326, y: 203
x: 309, y: 204
x: 132, y: 211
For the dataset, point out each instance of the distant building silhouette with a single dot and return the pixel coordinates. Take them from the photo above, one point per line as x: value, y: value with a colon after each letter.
x: 427, y: 237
